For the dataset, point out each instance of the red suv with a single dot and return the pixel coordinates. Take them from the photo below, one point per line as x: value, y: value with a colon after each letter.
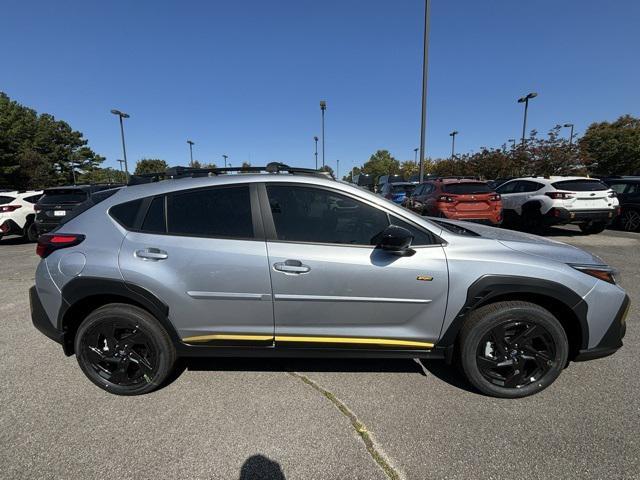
x: 457, y: 199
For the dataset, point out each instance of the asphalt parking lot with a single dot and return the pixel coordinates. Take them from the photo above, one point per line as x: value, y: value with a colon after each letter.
x: 293, y: 419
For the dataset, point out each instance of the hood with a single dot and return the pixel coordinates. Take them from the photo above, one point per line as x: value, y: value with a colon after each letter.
x: 531, y: 244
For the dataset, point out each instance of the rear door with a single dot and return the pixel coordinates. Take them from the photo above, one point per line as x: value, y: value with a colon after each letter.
x: 333, y: 288
x: 472, y: 197
x: 203, y: 253
x: 590, y: 194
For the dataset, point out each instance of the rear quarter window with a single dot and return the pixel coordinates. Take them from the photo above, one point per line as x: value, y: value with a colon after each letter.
x: 4, y: 200
x: 580, y: 185
x: 126, y: 213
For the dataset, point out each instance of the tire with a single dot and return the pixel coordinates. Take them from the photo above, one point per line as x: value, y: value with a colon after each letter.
x: 499, y: 368
x: 592, y: 228
x: 630, y: 220
x: 30, y: 233
x: 124, y: 350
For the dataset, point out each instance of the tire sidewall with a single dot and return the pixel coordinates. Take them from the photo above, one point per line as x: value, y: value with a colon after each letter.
x: 491, y: 320
x: 148, y: 325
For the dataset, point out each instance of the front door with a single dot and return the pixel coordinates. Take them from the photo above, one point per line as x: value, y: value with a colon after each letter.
x: 207, y: 262
x: 333, y: 288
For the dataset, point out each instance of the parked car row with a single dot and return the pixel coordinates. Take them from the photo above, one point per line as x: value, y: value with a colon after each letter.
x: 531, y: 203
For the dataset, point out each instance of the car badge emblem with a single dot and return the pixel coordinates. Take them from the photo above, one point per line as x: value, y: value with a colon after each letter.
x: 593, y: 194
x: 424, y: 278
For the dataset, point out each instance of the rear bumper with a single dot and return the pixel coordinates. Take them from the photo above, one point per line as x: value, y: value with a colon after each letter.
x: 487, y: 218
x: 612, y: 339
x: 41, y: 320
x: 44, y: 227
x: 563, y: 216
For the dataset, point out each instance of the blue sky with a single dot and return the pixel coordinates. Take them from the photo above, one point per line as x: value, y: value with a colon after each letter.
x: 244, y: 77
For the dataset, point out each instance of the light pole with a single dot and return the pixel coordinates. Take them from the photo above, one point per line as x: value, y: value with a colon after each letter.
x: 323, y: 107
x: 191, y: 144
x: 453, y: 143
x: 316, y: 140
x: 513, y: 141
x: 225, y: 160
x: 415, y: 156
x: 337, y: 169
x: 570, y: 125
x: 525, y: 100
x: 425, y: 71
x: 124, y: 150
x: 121, y: 162
x: 73, y: 171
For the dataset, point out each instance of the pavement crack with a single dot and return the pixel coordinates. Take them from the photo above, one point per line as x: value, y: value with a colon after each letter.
x: 365, y: 435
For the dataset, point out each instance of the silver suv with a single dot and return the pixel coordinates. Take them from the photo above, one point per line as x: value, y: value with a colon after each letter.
x: 285, y: 262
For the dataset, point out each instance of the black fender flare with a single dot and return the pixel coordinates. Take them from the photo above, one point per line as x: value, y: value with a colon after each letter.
x: 81, y: 288
x: 491, y: 286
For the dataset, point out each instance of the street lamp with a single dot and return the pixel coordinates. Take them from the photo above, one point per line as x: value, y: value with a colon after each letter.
x: 124, y: 150
x: 191, y: 144
x: 316, y: 140
x: 225, y: 160
x: 525, y: 100
x: 425, y: 65
x: 323, y: 107
x: 570, y: 125
x: 453, y: 143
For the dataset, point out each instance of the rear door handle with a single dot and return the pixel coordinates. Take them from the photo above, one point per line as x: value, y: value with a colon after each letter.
x: 291, y: 266
x: 152, y: 254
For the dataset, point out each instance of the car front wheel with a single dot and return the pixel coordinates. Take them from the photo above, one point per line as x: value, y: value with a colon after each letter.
x: 512, y: 349
x: 124, y: 350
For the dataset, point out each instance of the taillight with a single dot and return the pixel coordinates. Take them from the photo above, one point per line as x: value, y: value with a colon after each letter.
x: 47, y: 244
x: 559, y: 195
x: 9, y: 208
x: 446, y: 198
x: 495, y: 197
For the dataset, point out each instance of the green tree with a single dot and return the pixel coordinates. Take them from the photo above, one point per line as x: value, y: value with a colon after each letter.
x: 381, y: 163
x: 38, y: 151
x: 102, y: 175
x: 150, y: 165
x: 613, y: 148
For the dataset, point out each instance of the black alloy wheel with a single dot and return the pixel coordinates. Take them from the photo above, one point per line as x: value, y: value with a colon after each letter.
x: 630, y: 220
x: 124, y: 350
x: 515, y: 354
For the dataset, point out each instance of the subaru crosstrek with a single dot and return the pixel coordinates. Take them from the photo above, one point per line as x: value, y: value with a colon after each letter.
x: 288, y: 263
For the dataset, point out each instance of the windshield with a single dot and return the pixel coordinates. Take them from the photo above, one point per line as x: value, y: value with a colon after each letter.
x: 402, y: 188
x: 467, y: 188
x: 57, y: 196
x: 581, y: 185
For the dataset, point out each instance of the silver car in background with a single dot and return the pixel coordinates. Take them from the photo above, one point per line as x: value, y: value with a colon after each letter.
x: 285, y: 262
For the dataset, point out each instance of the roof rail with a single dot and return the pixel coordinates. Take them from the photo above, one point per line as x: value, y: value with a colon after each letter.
x: 183, y: 172
x: 457, y: 177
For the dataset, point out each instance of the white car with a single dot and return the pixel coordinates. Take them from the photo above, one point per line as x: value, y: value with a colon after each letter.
x: 536, y: 202
x: 17, y: 213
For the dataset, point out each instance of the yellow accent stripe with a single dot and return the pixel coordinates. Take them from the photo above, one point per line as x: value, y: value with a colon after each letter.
x: 355, y: 340
x: 224, y: 336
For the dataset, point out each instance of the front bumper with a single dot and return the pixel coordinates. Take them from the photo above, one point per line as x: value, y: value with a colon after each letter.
x: 561, y: 216
x: 41, y: 320
x: 612, y: 339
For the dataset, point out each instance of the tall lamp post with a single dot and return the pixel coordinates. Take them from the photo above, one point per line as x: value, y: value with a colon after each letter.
x: 453, y: 143
x: 121, y: 162
x: 191, y: 144
x: 323, y: 107
x: 570, y: 125
x: 425, y: 71
x: 415, y: 156
x: 315, y: 139
x: 525, y: 100
x: 124, y: 150
x: 337, y: 169
x: 225, y: 160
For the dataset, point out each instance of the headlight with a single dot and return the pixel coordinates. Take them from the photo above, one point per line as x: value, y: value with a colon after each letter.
x: 601, y: 272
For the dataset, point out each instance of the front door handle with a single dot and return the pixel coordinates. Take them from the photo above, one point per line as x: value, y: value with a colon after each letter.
x: 291, y: 266
x: 152, y: 254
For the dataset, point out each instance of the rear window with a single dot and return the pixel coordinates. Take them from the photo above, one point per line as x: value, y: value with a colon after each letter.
x: 5, y: 200
x: 580, y: 185
x: 467, y: 188
x: 59, y: 196
x: 86, y: 205
x: 402, y: 188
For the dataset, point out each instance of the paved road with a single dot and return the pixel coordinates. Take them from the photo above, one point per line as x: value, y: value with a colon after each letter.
x: 333, y: 419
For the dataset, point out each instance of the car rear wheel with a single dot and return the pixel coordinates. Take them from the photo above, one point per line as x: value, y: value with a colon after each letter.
x: 124, y: 350
x: 31, y: 234
x: 593, y: 227
x: 512, y: 349
x: 630, y: 220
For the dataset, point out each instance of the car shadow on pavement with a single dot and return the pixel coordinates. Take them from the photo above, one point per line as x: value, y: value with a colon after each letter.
x: 448, y: 374
x: 14, y: 241
x: 259, y: 467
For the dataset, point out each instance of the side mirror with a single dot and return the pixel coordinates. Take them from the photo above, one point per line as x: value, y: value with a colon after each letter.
x: 396, y: 240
